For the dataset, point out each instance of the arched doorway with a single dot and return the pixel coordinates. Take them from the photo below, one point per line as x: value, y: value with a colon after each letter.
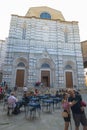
x: 45, y: 74
x: 45, y: 78
x: 85, y: 64
x: 85, y: 73
x: 69, y: 79
x: 69, y: 76
x: 20, y: 78
x: 46, y: 70
x: 20, y: 73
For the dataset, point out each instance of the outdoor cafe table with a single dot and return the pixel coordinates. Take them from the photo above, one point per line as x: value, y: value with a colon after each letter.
x: 43, y: 97
x: 56, y: 100
x: 34, y: 99
x: 48, y: 104
x: 33, y: 107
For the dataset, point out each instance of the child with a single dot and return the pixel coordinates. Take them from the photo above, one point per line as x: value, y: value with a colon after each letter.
x: 66, y: 111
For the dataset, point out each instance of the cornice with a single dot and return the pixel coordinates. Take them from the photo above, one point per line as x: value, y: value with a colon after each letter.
x: 2, y: 40
x: 57, y: 20
x: 84, y: 41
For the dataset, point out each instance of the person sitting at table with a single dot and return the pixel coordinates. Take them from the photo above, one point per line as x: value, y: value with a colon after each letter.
x: 57, y: 94
x: 22, y: 102
x: 25, y: 99
x: 11, y: 101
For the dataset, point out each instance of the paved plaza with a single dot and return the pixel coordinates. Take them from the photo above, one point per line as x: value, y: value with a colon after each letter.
x: 46, y: 121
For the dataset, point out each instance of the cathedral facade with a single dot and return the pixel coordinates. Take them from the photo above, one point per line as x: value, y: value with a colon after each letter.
x: 43, y: 47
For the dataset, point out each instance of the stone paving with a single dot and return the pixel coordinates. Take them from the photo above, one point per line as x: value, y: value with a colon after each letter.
x: 47, y: 121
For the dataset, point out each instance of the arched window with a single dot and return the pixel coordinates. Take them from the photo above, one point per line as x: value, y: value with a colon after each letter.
x: 21, y: 64
x: 45, y: 65
x: 45, y: 15
x: 24, y: 33
x: 68, y: 67
x: 66, y: 37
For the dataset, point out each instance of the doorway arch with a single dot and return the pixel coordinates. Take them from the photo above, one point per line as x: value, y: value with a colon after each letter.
x: 20, y: 72
x: 46, y: 72
x: 70, y: 74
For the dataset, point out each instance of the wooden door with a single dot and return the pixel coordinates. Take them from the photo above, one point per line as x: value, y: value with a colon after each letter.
x: 69, y: 80
x: 20, y: 78
x: 45, y: 78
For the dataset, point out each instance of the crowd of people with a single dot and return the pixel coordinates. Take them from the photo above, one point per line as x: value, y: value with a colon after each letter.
x: 72, y: 104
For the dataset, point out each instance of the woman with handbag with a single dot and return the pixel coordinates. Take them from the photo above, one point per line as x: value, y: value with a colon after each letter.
x: 66, y: 111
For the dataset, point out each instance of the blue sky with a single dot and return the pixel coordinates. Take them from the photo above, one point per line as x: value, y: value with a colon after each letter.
x: 72, y: 10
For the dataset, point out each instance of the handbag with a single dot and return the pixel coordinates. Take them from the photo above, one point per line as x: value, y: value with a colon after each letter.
x: 64, y: 114
x: 83, y: 103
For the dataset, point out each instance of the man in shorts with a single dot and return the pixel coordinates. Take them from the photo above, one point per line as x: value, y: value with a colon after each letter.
x: 77, y: 110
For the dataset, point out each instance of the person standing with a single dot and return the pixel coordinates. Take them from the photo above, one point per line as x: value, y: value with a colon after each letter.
x: 25, y: 89
x: 66, y: 111
x: 78, y: 111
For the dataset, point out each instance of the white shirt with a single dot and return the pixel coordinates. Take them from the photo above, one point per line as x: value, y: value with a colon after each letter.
x: 12, y: 101
x: 25, y: 89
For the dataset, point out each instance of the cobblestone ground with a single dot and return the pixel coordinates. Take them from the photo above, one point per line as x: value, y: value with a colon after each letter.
x: 47, y: 121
